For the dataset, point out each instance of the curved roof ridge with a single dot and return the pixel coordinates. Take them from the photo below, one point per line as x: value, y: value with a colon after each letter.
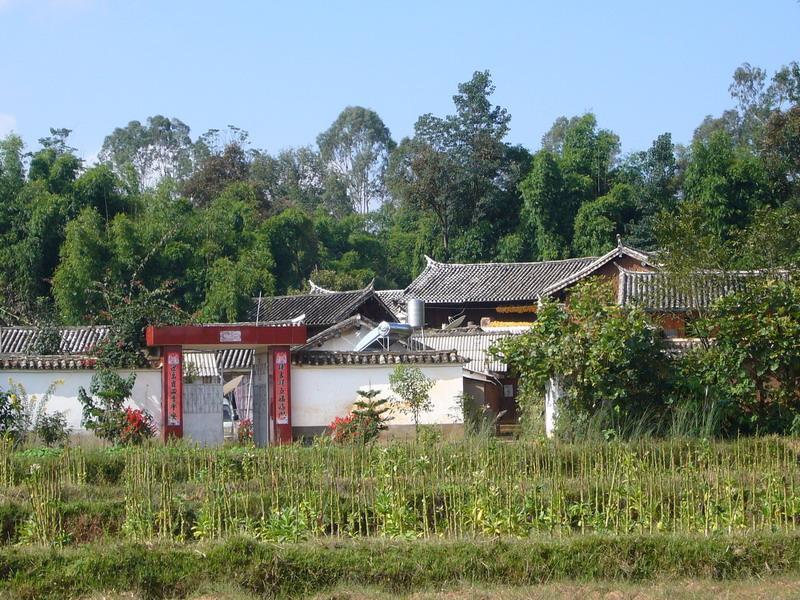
x: 512, y: 263
x: 318, y: 289
x: 618, y: 250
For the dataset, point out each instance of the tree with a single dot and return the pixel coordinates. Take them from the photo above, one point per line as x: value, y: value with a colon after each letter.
x: 549, y: 211
x: 294, y: 247
x: 215, y: 173
x: 356, y: 147
x: 599, y: 221
x: 83, y: 258
x: 233, y: 285
x: 586, y: 154
x: 413, y: 390
x: 726, y: 184
x: 757, y: 99
x: 751, y: 373
x: 655, y: 178
x: 607, y: 358
x: 295, y: 178
x: 427, y: 180
x: 104, y: 410
x: 781, y: 151
x: 160, y: 148
x: 458, y: 168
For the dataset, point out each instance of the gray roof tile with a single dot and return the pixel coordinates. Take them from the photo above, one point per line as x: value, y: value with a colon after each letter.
x: 472, y: 344
x: 659, y: 291
x: 321, y: 307
x: 490, y: 282
x: 325, y: 358
x: 74, y: 340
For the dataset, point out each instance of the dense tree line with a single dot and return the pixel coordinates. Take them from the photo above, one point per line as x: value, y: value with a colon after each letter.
x: 211, y: 221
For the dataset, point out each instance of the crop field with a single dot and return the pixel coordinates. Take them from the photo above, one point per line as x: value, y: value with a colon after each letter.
x: 694, y: 501
x: 407, y: 491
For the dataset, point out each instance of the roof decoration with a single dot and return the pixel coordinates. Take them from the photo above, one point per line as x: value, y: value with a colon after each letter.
x: 47, y: 363
x: 318, y: 289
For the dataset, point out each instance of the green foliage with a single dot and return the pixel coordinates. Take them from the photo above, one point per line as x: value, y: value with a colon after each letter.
x: 215, y: 222
x: 599, y: 221
x: 608, y: 360
x: 23, y: 416
x: 412, y: 389
x: 750, y: 373
x: 52, y: 429
x: 365, y: 422
x: 104, y: 404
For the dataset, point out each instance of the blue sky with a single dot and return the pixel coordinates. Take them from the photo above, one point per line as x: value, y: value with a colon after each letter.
x: 283, y: 70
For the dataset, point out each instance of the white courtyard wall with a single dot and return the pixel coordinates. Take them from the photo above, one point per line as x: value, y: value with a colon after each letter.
x: 146, y: 391
x: 322, y: 393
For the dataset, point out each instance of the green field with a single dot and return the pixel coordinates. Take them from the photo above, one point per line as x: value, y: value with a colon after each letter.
x: 171, y: 521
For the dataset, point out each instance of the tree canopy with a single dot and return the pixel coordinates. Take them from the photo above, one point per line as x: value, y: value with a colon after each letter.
x: 211, y: 220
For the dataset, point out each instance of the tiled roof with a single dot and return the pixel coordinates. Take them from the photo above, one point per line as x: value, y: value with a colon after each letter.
x: 662, y: 292
x: 617, y: 252
x: 235, y: 359
x: 394, y: 299
x: 319, y: 307
x: 471, y: 343
x: 323, y: 358
x: 47, y: 363
x: 74, y: 340
x: 490, y: 282
x: 201, y: 364
x: 356, y: 321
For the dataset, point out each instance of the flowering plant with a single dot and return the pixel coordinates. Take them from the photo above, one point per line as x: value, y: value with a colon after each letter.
x: 245, y: 431
x: 344, y: 430
x: 138, y: 426
x: 364, y: 423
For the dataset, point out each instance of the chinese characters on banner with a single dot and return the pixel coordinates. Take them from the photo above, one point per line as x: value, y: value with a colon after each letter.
x: 173, y: 389
x: 281, y: 388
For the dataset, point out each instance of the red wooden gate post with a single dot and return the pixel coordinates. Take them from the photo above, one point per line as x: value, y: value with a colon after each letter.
x: 172, y: 392
x: 281, y: 390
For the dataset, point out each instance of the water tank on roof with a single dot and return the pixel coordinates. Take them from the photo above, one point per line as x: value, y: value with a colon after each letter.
x: 416, y: 313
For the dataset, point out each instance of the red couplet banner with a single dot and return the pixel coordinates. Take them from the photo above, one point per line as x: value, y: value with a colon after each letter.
x: 173, y: 398
x: 282, y: 396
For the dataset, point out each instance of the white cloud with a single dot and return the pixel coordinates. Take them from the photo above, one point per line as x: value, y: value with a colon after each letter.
x: 7, y: 122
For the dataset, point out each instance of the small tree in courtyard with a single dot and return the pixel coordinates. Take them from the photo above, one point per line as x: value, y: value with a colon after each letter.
x: 104, y: 410
x: 412, y: 388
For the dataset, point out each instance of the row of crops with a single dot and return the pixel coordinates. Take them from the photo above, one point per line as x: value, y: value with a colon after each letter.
x: 458, y: 489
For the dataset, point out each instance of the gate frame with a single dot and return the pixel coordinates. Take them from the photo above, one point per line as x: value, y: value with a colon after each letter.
x: 276, y: 338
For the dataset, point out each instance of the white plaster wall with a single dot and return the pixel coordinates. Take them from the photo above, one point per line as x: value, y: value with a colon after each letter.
x: 345, y: 342
x: 146, y: 391
x: 322, y: 393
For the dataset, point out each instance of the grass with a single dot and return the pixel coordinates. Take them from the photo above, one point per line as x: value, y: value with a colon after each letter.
x: 440, y: 520
x: 168, y: 570
x: 772, y: 588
